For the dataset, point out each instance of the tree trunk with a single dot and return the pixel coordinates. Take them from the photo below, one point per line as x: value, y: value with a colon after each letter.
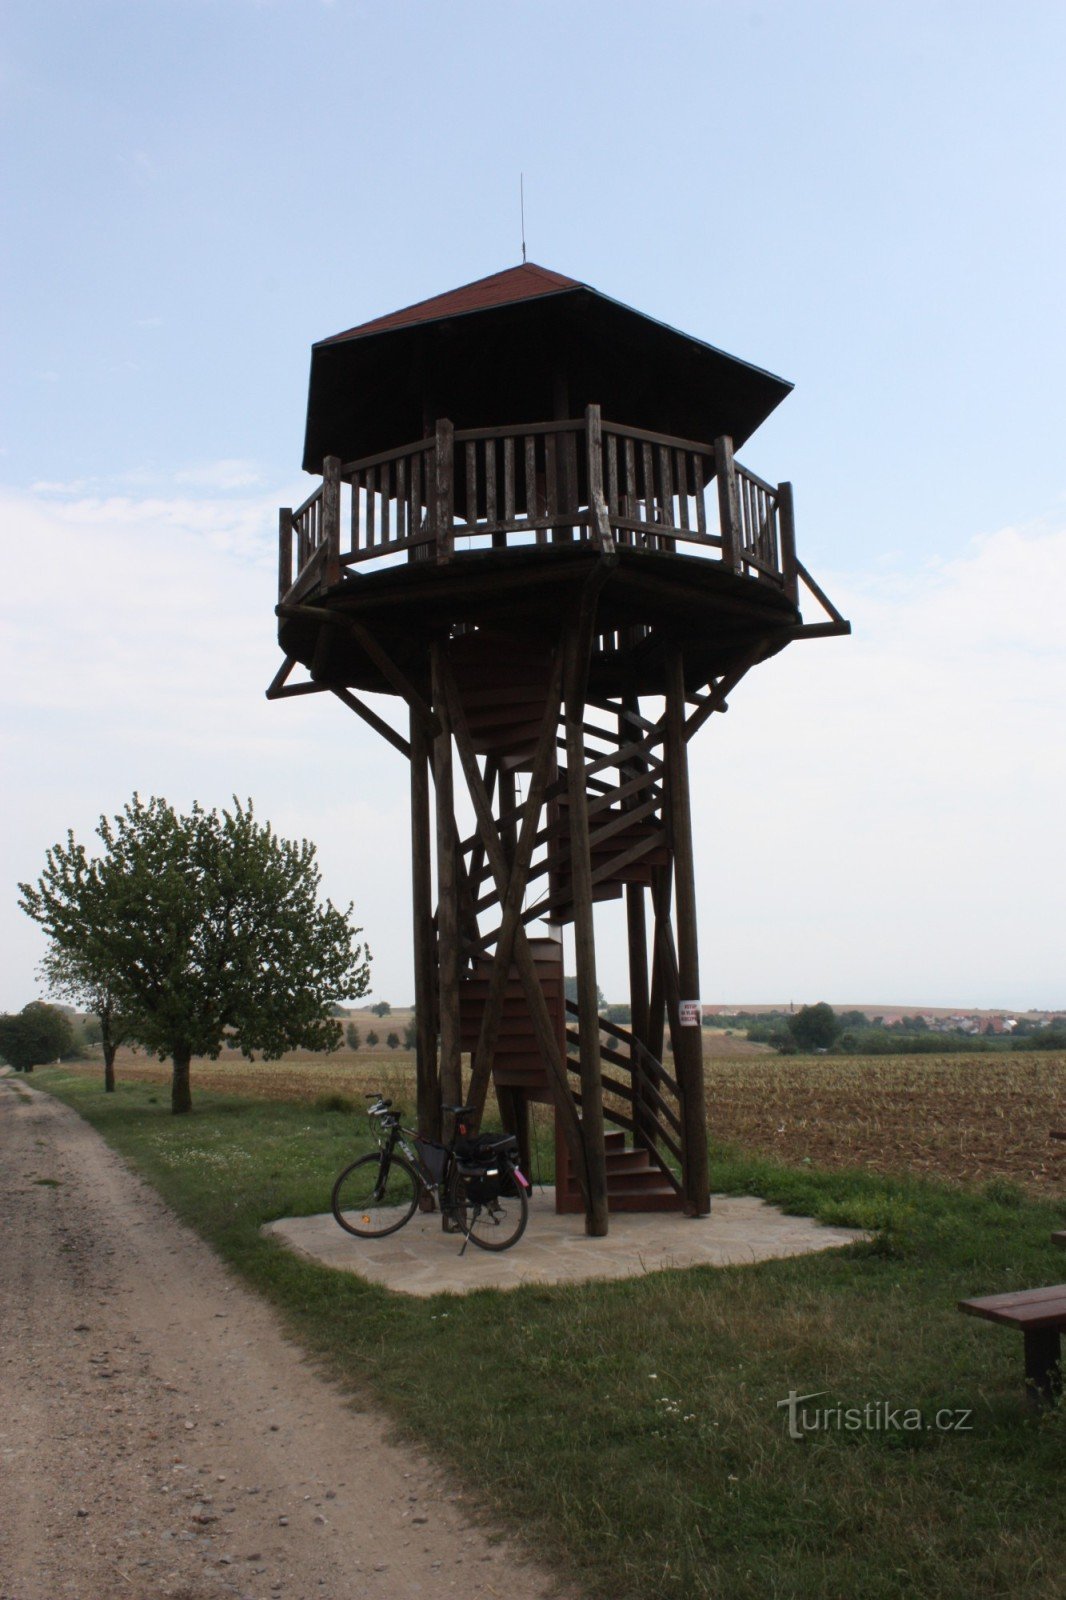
x: 180, y: 1094
x: 109, y: 1067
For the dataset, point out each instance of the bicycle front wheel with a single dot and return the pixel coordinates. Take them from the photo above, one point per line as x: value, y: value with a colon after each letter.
x: 375, y: 1195
x: 494, y: 1215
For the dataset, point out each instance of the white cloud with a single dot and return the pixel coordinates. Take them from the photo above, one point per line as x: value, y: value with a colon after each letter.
x: 221, y: 475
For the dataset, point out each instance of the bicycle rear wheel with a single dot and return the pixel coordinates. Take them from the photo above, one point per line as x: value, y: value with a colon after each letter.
x: 371, y: 1205
x: 494, y: 1223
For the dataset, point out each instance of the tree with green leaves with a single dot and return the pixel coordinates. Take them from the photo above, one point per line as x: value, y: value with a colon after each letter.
x: 352, y: 1035
x: 63, y: 974
x: 382, y: 1009
x: 372, y: 1039
x: 206, y: 930
x: 814, y: 1027
x: 34, y: 1036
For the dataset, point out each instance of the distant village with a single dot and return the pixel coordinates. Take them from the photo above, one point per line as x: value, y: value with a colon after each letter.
x: 934, y: 1020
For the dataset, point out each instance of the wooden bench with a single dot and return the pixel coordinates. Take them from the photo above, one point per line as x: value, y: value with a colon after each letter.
x: 1041, y: 1315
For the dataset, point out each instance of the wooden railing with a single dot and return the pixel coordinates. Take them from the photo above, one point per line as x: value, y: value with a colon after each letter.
x: 578, y: 481
x: 650, y: 1096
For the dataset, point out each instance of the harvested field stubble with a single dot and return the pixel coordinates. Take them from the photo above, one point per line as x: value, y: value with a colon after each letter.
x: 965, y: 1118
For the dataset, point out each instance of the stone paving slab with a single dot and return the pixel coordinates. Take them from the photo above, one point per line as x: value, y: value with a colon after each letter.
x: 422, y: 1260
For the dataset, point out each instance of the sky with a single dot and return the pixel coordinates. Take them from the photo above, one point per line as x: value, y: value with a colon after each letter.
x: 865, y: 198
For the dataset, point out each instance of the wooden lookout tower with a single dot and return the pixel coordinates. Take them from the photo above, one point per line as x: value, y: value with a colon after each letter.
x: 532, y: 532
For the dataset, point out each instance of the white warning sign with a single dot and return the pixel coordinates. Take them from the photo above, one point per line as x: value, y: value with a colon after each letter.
x: 690, y: 1013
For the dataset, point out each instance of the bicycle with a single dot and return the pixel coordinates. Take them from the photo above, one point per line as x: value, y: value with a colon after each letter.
x: 476, y: 1179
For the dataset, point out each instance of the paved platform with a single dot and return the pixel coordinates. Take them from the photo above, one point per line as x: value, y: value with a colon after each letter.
x: 422, y: 1260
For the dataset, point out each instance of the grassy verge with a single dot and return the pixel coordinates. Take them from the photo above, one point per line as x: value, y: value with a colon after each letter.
x: 633, y: 1430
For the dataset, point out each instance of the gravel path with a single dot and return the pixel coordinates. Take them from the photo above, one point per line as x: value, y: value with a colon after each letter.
x: 161, y: 1437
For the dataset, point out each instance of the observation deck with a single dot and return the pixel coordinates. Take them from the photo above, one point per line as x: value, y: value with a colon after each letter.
x: 500, y: 526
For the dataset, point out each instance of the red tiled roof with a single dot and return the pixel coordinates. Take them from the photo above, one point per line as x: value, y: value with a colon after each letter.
x: 501, y: 288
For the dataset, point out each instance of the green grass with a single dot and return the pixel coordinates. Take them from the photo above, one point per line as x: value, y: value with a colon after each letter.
x: 631, y: 1430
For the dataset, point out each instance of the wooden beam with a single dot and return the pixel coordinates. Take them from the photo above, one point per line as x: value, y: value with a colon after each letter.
x: 786, y: 514
x: 284, y: 550
x: 331, y: 519
x: 715, y: 699
x: 380, y: 656
x: 371, y: 718
x: 728, y: 504
x: 424, y: 938
x: 688, y: 1037
x: 448, y: 958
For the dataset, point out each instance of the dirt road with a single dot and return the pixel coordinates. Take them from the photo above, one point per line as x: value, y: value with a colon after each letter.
x: 159, y: 1435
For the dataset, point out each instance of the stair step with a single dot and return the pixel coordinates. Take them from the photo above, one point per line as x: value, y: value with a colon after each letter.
x: 634, y: 1182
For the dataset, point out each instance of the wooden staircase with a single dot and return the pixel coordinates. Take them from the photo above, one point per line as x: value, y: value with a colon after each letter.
x: 502, y: 686
x: 634, y: 1183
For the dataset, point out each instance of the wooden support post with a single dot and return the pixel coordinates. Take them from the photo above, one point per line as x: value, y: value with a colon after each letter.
x: 728, y: 504
x: 636, y: 922
x: 284, y: 551
x: 443, y: 490
x: 448, y: 962
x: 585, y: 943
x: 427, y: 1076
x: 331, y: 519
x: 786, y: 513
x: 688, y: 1039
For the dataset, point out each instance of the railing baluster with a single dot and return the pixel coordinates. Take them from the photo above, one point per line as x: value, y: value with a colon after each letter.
x: 701, y: 508
x: 612, y: 474
x: 530, y: 477
x: 570, y: 457
x: 402, y: 529
x: 631, y: 490
x: 649, y: 517
x: 500, y: 539
x: 551, y: 484
x: 371, y: 507
x: 386, y: 502
x: 490, y: 481
x: 681, y: 483
x: 471, y: 484
x: 443, y: 490
x: 666, y: 481
x: 414, y: 506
